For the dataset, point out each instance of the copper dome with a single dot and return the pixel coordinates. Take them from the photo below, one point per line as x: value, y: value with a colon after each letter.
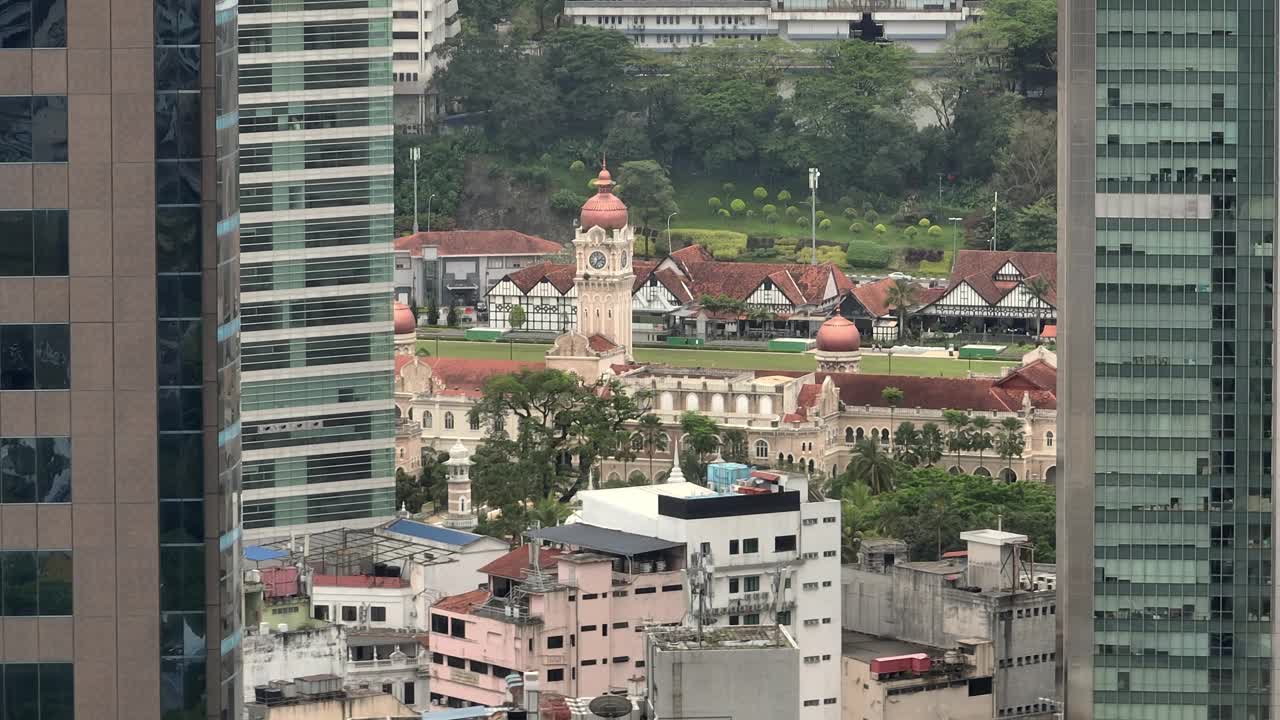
x: 403, y: 317
x: 604, y: 209
x: 838, y: 335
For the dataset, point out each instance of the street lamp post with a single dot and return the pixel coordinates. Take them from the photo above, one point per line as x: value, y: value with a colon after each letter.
x: 955, y: 239
x: 814, y: 174
x: 429, y: 199
x: 995, y: 219
x: 669, y: 230
x: 415, y: 153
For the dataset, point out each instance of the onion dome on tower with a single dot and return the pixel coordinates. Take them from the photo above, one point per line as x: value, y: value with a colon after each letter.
x: 406, y: 327
x: 604, y: 209
x: 839, y: 346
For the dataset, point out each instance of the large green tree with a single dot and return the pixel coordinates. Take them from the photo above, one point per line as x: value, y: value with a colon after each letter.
x: 589, y: 67
x: 647, y: 191
x: 491, y: 74
x: 872, y: 467
x: 701, y: 440
x: 1026, y: 33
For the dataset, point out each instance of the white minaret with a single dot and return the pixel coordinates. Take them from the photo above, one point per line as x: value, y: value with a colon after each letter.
x: 461, y: 514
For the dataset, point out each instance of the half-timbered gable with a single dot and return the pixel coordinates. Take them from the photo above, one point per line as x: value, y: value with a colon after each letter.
x: 993, y: 285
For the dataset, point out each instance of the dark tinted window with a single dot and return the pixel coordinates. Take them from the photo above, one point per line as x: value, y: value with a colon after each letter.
x: 17, y: 470
x: 182, y: 578
x: 21, y: 691
x: 17, y: 366
x: 33, y: 23
x: 19, y: 579
x: 184, y: 684
x: 177, y: 239
x: 784, y: 543
x: 52, y: 353
x: 17, y: 238
x: 49, y: 242
x: 181, y: 521
x: 57, y: 691
x: 181, y: 461
x: 54, y: 569
x: 49, y: 128
x: 53, y: 470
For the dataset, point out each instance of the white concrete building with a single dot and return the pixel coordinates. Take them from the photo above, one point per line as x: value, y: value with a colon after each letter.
x: 316, y: 266
x: 418, y: 29
x: 468, y: 553
x: 677, y: 24
x: 773, y: 557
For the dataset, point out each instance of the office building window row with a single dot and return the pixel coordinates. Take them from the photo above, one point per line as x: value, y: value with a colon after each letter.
x: 35, y: 357
x: 35, y: 470
x: 323, y: 507
x: 33, y: 24
x: 33, y: 242
x: 33, y: 128
x: 35, y: 582
x: 38, y: 691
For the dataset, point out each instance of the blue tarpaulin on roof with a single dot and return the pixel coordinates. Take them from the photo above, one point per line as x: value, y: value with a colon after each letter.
x: 257, y: 553
x: 433, y: 532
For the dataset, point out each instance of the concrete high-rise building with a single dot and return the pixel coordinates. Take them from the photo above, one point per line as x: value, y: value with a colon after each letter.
x: 119, y: 360
x: 418, y: 29
x: 316, y: 192
x: 1167, y: 217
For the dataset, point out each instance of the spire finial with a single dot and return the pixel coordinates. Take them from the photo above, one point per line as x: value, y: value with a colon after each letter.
x: 604, y: 160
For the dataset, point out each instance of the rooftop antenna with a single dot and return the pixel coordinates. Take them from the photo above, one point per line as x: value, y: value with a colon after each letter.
x: 701, y: 587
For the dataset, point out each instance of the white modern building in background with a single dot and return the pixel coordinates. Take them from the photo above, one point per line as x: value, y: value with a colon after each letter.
x: 921, y: 25
x: 315, y: 190
x: 418, y: 28
x: 769, y: 558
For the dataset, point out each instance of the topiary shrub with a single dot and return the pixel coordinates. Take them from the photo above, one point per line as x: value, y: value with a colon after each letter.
x: 728, y: 188
x: 802, y: 221
x: 566, y: 201
x: 924, y: 222
x: 911, y: 231
x: 769, y: 209
x: 821, y: 214
x: 850, y: 212
x: 771, y: 218
x: 935, y: 230
x: 792, y: 211
x: 881, y: 229
x: 784, y: 196
x: 825, y: 224
x: 871, y: 215
x: 856, y: 228
x: 866, y: 254
x: 738, y: 205
x: 577, y: 166
x: 760, y: 193
x: 713, y: 203
x: 723, y: 213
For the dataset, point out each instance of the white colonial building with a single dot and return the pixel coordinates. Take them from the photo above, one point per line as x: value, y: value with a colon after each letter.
x: 921, y: 25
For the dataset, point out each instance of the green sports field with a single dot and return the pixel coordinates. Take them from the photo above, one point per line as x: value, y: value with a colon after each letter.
x: 731, y: 359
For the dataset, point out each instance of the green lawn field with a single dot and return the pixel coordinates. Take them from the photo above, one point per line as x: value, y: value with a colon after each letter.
x: 933, y: 367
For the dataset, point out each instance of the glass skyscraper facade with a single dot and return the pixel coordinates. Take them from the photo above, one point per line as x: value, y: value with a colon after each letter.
x: 316, y: 193
x: 119, y: 360
x: 1167, y: 216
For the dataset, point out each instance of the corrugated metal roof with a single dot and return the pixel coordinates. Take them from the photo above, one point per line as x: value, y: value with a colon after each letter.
x: 593, y: 537
x: 434, y: 533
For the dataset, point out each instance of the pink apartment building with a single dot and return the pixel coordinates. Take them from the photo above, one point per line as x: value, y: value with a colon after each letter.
x: 576, y: 618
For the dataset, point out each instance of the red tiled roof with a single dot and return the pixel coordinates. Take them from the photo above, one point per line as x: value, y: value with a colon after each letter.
x: 1035, y: 375
x: 689, y: 255
x: 515, y: 564
x: 927, y: 296
x: 809, y: 395
x: 798, y: 416
x: 874, y: 296
x: 560, y: 276
x: 937, y: 393
x: 672, y: 281
x: 1049, y: 331
x: 359, y: 581
x: 477, y: 242
x: 467, y: 376
x: 641, y: 268
x: 978, y: 268
x: 601, y: 344
x: 462, y: 604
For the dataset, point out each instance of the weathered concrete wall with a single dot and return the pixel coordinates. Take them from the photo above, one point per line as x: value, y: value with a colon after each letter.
x: 371, y: 706
x: 285, y: 656
x: 728, y: 684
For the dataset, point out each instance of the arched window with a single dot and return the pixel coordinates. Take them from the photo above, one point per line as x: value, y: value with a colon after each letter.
x: 884, y: 436
x: 810, y: 466
x: 791, y: 460
x: 401, y: 453
x: 666, y: 401
x: 781, y: 458
x: 462, y: 503
x: 859, y: 435
x: 500, y: 424
x: 426, y: 418
x: 848, y: 434
x: 762, y: 449
x: 743, y: 405
x: 1048, y: 439
x: 982, y: 472
x: 410, y: 413
x: 637, y: 442
x: 691, y: 402
x: 717, y: 403
x: 1008, y: 475
x: 448, y: 421
x: 766, y: 405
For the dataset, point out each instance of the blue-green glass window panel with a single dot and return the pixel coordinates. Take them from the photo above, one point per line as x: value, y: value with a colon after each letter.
x: 181, y: 461
x: 182, y: 581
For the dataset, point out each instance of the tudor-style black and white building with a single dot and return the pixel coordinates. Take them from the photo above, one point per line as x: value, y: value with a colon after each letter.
x: 994, y: 290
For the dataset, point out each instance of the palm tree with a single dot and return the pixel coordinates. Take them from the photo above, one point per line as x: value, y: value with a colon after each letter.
x: 549, y: 512
x: 958, y: 434
x: 1010, y: 440
x: 870, y: 465
x: 892, y: 397
x: 1040, y: 287
x: 856, y: 509
x: 900, y: 296
x: 906, y: 444
x: 652, y: 438
x: 980, y: 439
x: 932, y: 443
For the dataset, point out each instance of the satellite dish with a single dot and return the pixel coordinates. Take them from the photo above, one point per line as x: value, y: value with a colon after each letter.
x: 610, y: 706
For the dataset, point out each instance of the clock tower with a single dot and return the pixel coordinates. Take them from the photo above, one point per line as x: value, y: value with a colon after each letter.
x: 603, y: 242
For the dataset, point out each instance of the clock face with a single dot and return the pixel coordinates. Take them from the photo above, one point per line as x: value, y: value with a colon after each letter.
x: 597, y: 260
